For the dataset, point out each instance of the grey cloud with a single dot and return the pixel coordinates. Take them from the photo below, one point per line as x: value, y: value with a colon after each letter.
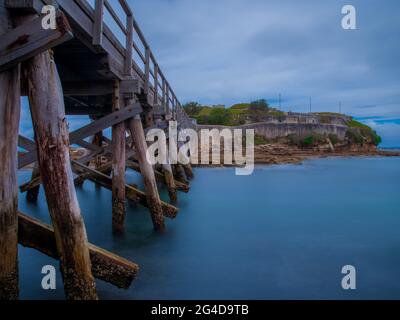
x: 225, y: 51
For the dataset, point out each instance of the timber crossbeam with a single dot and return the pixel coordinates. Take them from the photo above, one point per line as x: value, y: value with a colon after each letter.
x: 132, y: 193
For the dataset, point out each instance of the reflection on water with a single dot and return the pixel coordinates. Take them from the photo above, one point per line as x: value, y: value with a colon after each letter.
x: 282, y: 233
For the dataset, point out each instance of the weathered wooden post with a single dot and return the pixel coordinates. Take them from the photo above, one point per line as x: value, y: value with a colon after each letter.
x: 98, y: 141
x: 118, y: 167
x: 52, y: 141
x: 188, y: 171
x: 146, y: 169
x: 9, y: 123
x: 179, y: 173
x: 170, y: 182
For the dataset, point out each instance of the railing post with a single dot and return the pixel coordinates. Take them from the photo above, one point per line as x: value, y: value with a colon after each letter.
x: 167, y: 97
x: 98, y: 23
x: 164, y: 102
x: 129, y: 46
x: 147, y: 71
x: 155, y: 101
x: 175, y: 107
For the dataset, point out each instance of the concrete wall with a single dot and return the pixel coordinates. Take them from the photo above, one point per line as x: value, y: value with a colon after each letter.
x: 275, y: 130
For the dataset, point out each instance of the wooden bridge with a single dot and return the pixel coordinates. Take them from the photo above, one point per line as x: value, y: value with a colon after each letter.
x: 96, y: 62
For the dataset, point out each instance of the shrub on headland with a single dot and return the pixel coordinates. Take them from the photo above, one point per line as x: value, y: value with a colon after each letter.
x: 307, y: 141
x: 260, y: 140
x: 235, y: 115
x: 361, y: 133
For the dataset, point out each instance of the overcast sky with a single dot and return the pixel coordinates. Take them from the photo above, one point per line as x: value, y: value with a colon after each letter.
x: 228, y: 51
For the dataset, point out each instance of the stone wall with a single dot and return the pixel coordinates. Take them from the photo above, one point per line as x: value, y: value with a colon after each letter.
x: 275, y: 130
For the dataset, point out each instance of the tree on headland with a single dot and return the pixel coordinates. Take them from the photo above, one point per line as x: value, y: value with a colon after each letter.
x: 259, y: 105
x: 192, y: 108
x: 258, y: 109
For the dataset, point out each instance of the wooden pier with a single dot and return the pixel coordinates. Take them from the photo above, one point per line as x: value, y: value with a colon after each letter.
x: 79, y: 68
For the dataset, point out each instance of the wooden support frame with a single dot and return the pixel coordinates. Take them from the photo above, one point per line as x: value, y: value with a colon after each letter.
x: 80, y: 260
x: 76, y: 136
x: 30, y: 39
x: 132, y: 193
x: 160, y: 177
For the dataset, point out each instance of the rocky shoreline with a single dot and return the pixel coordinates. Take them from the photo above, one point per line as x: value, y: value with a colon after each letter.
x: 277, y: 153
x: 283, y: 154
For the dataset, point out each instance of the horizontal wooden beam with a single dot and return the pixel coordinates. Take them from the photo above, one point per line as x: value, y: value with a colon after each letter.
x: 132, y: 193
x: 30, y: 39
x: 105, y: 265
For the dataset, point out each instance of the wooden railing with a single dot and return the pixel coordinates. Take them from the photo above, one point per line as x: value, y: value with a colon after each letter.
x: 152, y: 77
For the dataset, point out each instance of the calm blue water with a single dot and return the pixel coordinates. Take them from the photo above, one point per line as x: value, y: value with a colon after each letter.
x: 282, y: 233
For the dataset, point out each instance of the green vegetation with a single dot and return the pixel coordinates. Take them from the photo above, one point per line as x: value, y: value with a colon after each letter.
x: 260, y: 140
x: 360, y: 133
x: 235, y: 115
x: 306, y: 141
x: 333, y: 138
x: 259, y: 110
x: 330, y: 114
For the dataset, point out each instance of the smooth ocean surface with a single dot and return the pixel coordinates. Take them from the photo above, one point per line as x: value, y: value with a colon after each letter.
x: 282, y: 233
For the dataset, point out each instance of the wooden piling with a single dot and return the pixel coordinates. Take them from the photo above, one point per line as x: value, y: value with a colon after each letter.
x: 170, y: 182
x: 118, y: 167
x: 146, y: 169
x: 9, y: 123
x: 188, y: 170
x: 52, y: 142
x: 179, y: 173
x: 98, y: 141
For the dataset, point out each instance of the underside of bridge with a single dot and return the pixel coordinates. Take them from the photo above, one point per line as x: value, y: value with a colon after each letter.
x: 79, y: 68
